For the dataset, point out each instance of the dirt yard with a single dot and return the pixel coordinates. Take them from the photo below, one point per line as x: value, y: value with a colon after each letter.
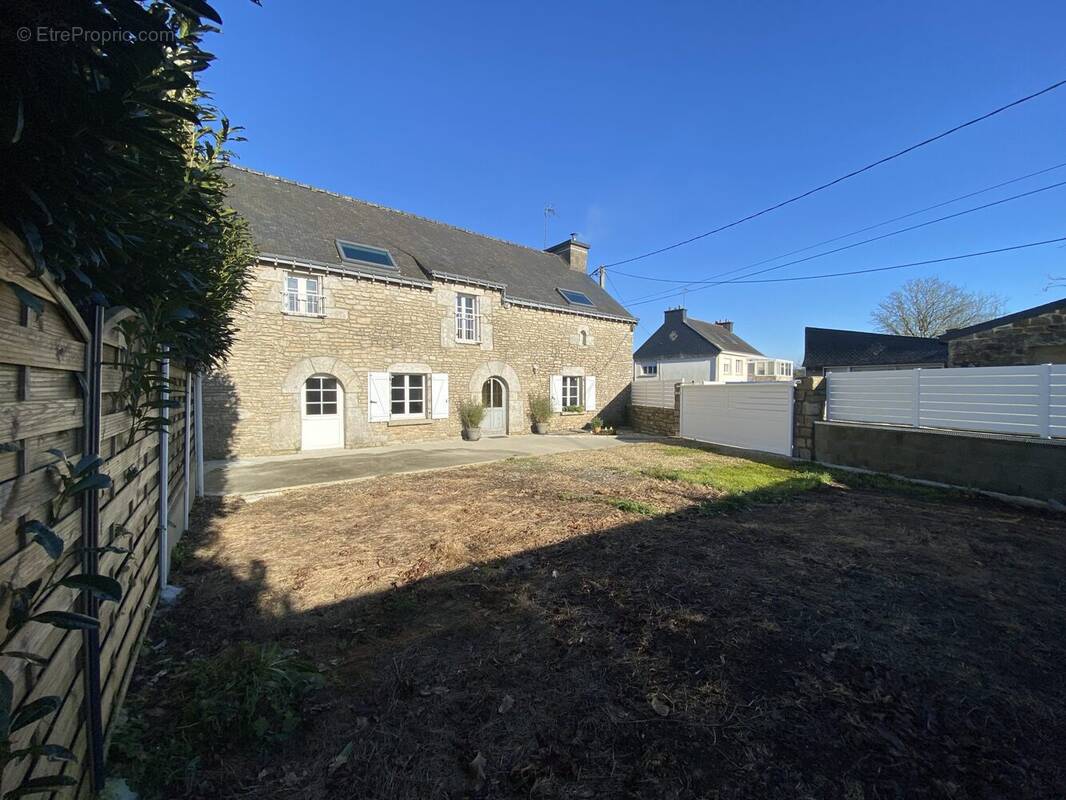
x: 647, y: 622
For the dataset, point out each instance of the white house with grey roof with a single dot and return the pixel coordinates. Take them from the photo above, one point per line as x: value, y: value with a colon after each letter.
x: 367, y: 325
x: 687, y: 350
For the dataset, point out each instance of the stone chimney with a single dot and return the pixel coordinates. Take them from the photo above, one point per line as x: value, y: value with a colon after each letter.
x: 573, y: 252
x: 725, y: 323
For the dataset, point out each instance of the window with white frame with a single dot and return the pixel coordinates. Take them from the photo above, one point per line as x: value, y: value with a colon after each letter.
x: 571, y: 391
x: 739, y: 363
x: 727, y: 366
x: 320, y: 396
x: 760, y: 367
x: 408, y: 398
x: 302, y: 295
x: 649, y: 370
x: 467, y: 318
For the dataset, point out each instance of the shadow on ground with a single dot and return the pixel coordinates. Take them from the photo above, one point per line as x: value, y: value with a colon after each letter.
x: 850, y: 644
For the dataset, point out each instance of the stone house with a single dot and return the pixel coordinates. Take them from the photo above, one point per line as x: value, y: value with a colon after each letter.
x: 368, y: 326
x: 1033, y: 336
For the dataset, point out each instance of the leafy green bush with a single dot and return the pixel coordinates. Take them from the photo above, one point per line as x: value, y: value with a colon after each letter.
x: 574, y: 409
x: 471, y: 413
x: 540, y: 407
x: 248, y: 692
x: 596, y: 423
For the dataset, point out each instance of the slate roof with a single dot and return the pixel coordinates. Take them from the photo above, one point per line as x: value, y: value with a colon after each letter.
x: 828, y: 347
x: 694, y: 338
x: 1036, y: 311
x: 293, y: 221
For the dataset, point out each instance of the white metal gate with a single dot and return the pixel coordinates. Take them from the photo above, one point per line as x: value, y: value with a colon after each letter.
x: 755, y: 416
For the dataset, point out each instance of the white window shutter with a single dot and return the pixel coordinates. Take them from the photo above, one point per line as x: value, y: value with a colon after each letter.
x: 590, y: 393
x: 555, y: 392
x: 439, y: 384
x: 377, y: 394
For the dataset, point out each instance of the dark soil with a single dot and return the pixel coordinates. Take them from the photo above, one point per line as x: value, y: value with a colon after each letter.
x: 508, y: 631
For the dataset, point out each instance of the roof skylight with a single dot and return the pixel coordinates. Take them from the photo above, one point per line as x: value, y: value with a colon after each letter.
x: 365, y: 254
x: 576, y: 298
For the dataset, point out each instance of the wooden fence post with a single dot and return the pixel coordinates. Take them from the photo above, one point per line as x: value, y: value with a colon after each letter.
x: 164, y: 475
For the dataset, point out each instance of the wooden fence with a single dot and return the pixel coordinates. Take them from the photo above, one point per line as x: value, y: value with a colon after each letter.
x: 55, y: 395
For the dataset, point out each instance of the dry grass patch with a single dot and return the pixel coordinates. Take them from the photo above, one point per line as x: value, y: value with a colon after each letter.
x: 578, y: 626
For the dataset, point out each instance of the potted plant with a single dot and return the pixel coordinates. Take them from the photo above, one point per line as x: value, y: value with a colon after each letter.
x: 471, y: 413
x: 596, y: 424
x: 540, y: 411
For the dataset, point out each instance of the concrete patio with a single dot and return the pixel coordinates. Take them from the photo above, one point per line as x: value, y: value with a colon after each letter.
x: 258, y: 476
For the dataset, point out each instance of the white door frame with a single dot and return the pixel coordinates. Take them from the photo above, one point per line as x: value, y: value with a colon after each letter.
x: 501, y: 410
x: 321, y: 431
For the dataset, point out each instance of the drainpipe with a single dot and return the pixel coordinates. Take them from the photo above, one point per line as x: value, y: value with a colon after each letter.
x: 199, y: 434
x: 164, y: 474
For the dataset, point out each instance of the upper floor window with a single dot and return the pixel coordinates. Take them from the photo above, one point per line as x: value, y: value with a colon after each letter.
x: 649, y: 369
x: 303, y: 295
x: 365, y: 254
x: 467, y: 318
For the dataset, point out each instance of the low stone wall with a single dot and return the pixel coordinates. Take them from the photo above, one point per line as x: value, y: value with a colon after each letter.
x: 1040, y: 339
x: 655, y: 421
x: 1007, y: 464
x: 809, y: 408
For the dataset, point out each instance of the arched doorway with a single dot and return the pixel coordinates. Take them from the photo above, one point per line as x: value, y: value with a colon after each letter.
x: 322, y: 413
x: 494, y: 398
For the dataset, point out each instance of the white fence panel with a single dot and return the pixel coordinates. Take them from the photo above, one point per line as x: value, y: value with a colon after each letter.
x: 755, y: 416
x: 653, y: 392
x: 1057, y: 401
x: 1027, y: 400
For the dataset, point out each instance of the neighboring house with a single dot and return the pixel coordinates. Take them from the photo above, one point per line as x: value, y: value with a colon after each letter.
x: 368, y: 326
x: 1033, y: 336
x: 830, y: 350
x: 693, y: 351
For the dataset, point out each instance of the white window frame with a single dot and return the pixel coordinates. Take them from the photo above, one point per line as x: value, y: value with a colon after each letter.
x: 727, y: 366
x: 316, y: 383
x: 408, y: 387
x: 467, y: 318
x: 739, y: 365
x: 299, y: 299
x: 573, y: 388
x: 649, y: 370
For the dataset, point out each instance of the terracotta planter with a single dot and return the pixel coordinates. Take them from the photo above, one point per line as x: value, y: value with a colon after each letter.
x: 471, y: 434
x: 540, y: 427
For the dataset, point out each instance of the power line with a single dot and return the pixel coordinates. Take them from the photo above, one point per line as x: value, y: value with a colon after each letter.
x: 712, y: 282
x: 866, y: 270
x: 842, y: 178
x: 855, y: 232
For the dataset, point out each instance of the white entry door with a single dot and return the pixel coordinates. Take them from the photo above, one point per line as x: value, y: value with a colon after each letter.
x: 494, y: 398
x: 322, y: 413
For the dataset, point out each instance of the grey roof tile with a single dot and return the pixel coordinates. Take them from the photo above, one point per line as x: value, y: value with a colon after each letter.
x: 296, y: 221
x: 829, y: 347
x: 692, y: 337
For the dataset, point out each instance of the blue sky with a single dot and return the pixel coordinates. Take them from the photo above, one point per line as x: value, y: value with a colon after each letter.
x: 647, y: 123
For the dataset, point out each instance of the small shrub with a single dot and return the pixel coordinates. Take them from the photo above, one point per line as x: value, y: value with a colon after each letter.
x: 596, y: 423
x: 248, y: 692
x: 471, y: 413
x: 540, y: 407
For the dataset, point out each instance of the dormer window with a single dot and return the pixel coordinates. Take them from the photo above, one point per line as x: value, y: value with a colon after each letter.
x: 356, y: 253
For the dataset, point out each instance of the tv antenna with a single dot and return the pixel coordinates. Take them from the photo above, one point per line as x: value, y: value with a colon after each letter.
x: 549, y: 211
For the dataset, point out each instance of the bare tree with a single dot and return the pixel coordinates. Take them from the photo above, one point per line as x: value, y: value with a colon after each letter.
x: 930, y: 306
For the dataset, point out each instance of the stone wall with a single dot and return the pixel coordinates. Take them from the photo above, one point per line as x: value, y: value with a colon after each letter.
x: 1039, y: 339
x: 656, y: 421
x: 809, y: 408
x: 1012, y: 465
x: 253, y: 405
